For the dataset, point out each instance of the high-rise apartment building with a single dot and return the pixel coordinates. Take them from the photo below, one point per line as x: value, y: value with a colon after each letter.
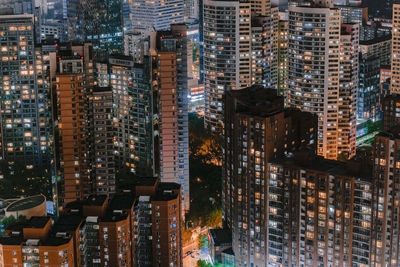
x: 323, y: 77
x: 283, y: 28
x: 225, y: 69
x: 26, y: 127
x: 240, y: 49
x: 395, y: 80
x: 170, y: 91
x: 348, y: 86
x: 102, y: 156
x: 136, y: 45
x: 131, y: 111
x: 156, y: 15
x: 391, y: 112
x: 71, y: 85
x: 385, y: 232
x: 102, y: 24
x: 318, y: 212
x: 257, y: 130
x: 374, y: 54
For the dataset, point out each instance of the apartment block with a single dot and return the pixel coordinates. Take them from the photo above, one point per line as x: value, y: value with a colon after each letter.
x: 319, y: 212
x: 170, y: 75
x: 26, y: 123
x: 384, y: 249
x: 126, y: 229
x: 317, y: 82
x: 257, y: 130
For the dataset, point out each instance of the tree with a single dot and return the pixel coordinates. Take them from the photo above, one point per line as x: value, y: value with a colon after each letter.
x: 214, y: 218
x: 201, y: 263
x: 7, y: 221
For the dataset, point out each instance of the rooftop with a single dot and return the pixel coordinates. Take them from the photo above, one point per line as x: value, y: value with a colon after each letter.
x: 147, y: 181
x: 67, y: 223
x: 26, y: 203
x: 393, y: 133
x: 98, y: 89
x: 256, y: 100
x: 56, y: 240
x: 166, y: 192
x: 229, y: 251
x: 37, y: 222
x: 122, y: 201
x: 377, y: 40
x: 308, y: 161
x: 11, y: 240
x: 95, y: 200
x: 112, y: 216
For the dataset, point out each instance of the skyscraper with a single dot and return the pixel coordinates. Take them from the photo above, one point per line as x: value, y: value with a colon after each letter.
x: 257, y: 130
x: 101, y: 129
x: 102, y: 24
x: 157, y: 15
x: 395, y: 80
x: 71, y: 85
x: 318, y: 212
x: 282, y: 55
x: 132, y: 114
x: 240, y: 49
x: 319, y: 52
x: 26, y: 127
x: 385, y: 234
x: 170, y: 87
x: 131, y: 111
x: 374, y: 54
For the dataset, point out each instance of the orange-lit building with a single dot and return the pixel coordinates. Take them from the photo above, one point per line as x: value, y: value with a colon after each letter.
x: 170, y: 72
x: 391, y: 112
x: 35, y: 244
x: 123, y: 230
x: 385, y: 227
x: 71, y: 84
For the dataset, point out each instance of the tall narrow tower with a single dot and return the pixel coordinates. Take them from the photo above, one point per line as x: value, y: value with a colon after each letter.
x: 322, y: 75
x: 240, y: 49
x: 395, y: 80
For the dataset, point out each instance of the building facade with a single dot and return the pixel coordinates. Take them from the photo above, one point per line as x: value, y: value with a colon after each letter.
x: 395, y: 79
x: 316, y: 80
x: 374, y: 55
x: 240, y: 49
x: 384, y: 249
x: 157, y: 15
x: 170, y: 90
x: 103, y: 231
x: 26, y: 126
x: 318, y: 214
x: 257, y: 129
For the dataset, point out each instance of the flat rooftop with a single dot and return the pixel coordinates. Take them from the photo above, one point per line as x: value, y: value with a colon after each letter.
x: 67, y: 223
x: 146, y: 181
x: 55, y: 241
x: 308, y: 161
x: 95, y: 200
x: 166, y: 192
x: 112, y: 216
x: 122, y: 201
x: 26, y: 203
x: 11, y: 240
x: 37, y: 222
x: 257, y: 101
x: 393, y: 133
